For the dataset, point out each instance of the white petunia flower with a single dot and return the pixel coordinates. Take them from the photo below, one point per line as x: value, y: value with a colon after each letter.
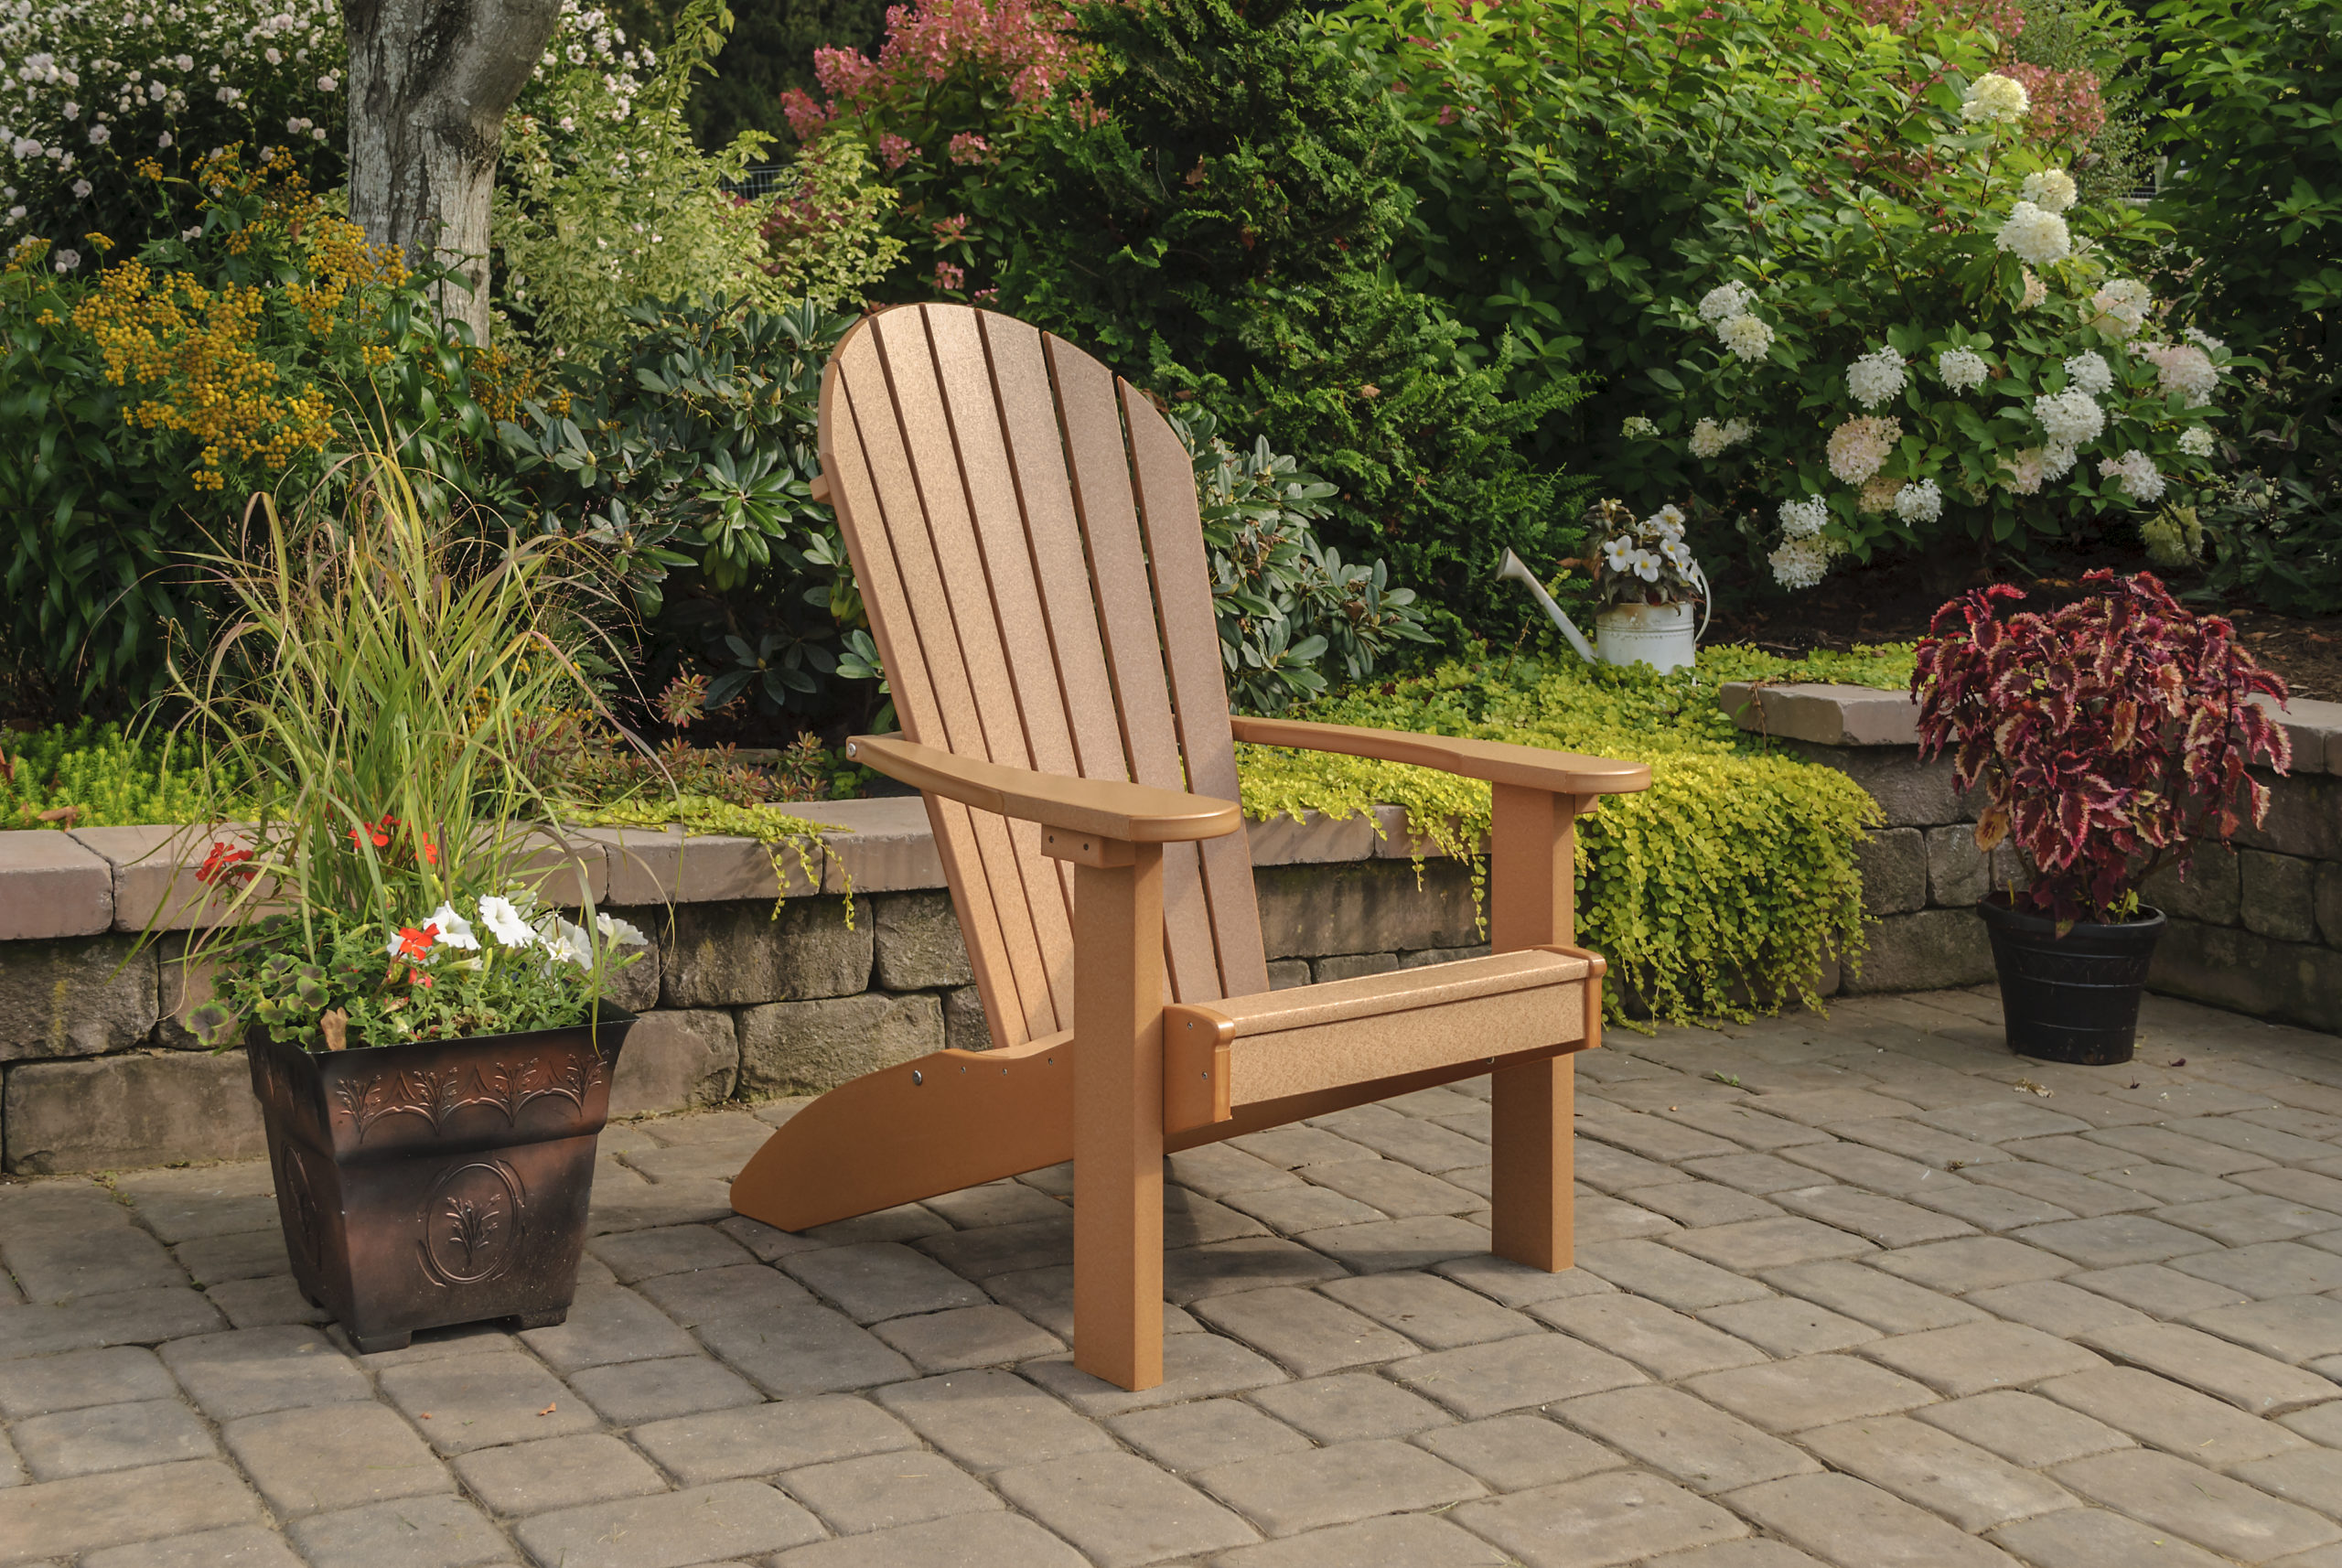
x: 455, y: 931
x: 1724, y: 303
x: 2052, y: 189
x: 1922, y: 502
x: 2090, y: 371
x: 1637, y: 429
x: 2035, y: 235
x: 1858, y: 448
x: 2141, y: 480
x: 1961, y: 369
x: 1799, y: 562
x: 565, y: 944
x: 2196, y: 441
x: 1747, y: 336
x: 623, y: 932
x: 2121, y: 307
x: 1804, y: 519
x: 1993, y: 99
x: 1875, y: 377
x: 504, y: 923
x: 2071, y: 417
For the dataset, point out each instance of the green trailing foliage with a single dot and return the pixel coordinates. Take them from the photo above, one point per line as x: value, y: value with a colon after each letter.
x: 1722, y: 889
x: 91, y: 775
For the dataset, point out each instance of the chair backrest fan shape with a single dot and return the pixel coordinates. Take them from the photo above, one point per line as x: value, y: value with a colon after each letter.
x: 1023, y: 528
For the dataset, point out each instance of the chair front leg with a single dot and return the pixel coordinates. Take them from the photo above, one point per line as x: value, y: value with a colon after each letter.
x: 1532, y: 855
x: 1118, y: 1118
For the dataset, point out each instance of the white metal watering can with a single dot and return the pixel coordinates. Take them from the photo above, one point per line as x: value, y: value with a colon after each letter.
x: 1662, y: 636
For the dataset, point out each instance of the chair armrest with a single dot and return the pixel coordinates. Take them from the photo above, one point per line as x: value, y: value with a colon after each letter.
x: 1102, y: 808
x: 1498, y: 762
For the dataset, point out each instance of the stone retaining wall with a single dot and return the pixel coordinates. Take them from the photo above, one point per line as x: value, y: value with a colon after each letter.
x: 758, y: 987
x: 2257, y: 927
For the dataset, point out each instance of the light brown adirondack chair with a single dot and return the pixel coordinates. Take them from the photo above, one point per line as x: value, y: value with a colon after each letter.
x: 1024, y: 529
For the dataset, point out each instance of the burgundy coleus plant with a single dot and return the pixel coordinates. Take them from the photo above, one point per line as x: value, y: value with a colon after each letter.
x: 2109, y: 736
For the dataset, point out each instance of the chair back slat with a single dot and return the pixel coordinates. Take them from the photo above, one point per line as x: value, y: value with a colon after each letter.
x: 1024, y: 529
x: 1190, y: 629
x: 1097, y: 450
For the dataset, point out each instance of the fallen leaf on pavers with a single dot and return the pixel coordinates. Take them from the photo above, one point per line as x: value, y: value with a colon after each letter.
x: 550, y: 1409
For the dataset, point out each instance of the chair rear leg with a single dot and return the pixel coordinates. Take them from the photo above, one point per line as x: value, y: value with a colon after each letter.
x: 1531, y: 1109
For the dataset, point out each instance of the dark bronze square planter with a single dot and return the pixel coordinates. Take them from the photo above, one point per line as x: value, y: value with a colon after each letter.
x: 438, y: 1182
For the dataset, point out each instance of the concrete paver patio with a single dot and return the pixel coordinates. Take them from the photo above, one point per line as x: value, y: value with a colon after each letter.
x: 1867, y: 1291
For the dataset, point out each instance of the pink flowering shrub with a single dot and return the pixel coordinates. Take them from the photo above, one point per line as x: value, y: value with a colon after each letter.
x: 2067, y: 107
x: 2109, y: 736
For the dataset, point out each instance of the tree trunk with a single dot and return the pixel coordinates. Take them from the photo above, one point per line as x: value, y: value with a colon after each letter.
x: 429, y: 84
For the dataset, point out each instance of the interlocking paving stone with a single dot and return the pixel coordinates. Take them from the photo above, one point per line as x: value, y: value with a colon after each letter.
x: 795, y: 1350
x: 605, y: 1326
x: 1514, y: 1453
x: 479, y: 1401
x: 1117, y: 1509
x: 1204, y: 1434
x: 2160, y: 1145
x: 253, y: 1254
x: 1870, y: 1295
x: 1786, y: 1325
x: 2072, y: 1154
x: 1600, y: 1219
x: 2156, y: 1289
x: 1974, y: 1264
x: 239, y: 1546
x: 1662, y: 1342
x: 1351, y: 1408
x: 1195, y: 1366
x: 1414, y: 1540
x: 1339, y: 1485
x: 2001, y: 1120
x: 259, y: 1304
x: 988, y: 1419
x: 2310, y: 1477
x: 2098, y: 1538
x: 1305, y: 1206
x: 2207, y: 1507
x: 57, y: 1518
x: 697, y: 1297
x: 1292, y: 1148
x: 880, y: 1280
x: 2291, y: 1328
x: 1513, y: 1374
x: 1418, y: 1142
x: 731, y: 1444
x: 129, y: 1317
x: 2251, y: 1138
x: 997, y: 1203
x: 1692, y: 1441
x: 1665, y: 1274
x: 1751, y: 1551
x: 1811, y: 1391
x: 2171, y: 1184
x: 334, y: 1456
x: 1697, y: 1204
x: 2259, y: 1217
x: 667, y: 1529
x: 1518, y: 1285
x: 2112, y: 1240
x: 978, y: 1541
x: 2023, y: 1428
x: 2077, y: 1194
x: 1888, y: 1221
x: 110, y: 1437
x: 1745, y: 1124
x: 1374, y: 1248
x: 654, y: 1390
x: 1991, y: 1208
x: 1397, y: 1190
x: 1755, y: 1244
x: 1856, y: 1524
x: 411, y: 1532
x: 1927, y: 1145
x: 1935, y: 1470
x: 1189, y: 1221
x: 1250, y: 1263
x: 1755, y: 1174
x: 2267, y: 1268
x: 1223, y: 1170
x: 59, y: 1264
x: 1651, y: 1137
x: 81, y: 1377
x: 1309, y: 1333
x: 887, y: 1491
x: 1616, y: 1517
x: 2246, y: 1378
x: 967, y: 1337
x: 685, y: 1249
x: 2054, y: 1306
x: 559, y: 1473
x: 1437, y: 1313
x: 253, y: 1370
x: 1975, y: 1356
x: 1000, y: 1249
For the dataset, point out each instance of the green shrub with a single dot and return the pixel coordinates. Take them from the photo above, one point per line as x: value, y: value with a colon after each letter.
x: 1724, y: 887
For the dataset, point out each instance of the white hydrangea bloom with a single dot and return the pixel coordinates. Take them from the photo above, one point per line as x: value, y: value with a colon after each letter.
x: 2141, y: 481
x: 2025, y: 470
x: 1709, y: 439
x: 2090, y: 371
x: 1724, y: 303
x: 1996, y: 100
x: 2196, y: 441
x: 1875, y: 377
x: 1878, y: 493
x: 2204, y: 340
x: 2184, y: 368
x: 2036, y: 291
x: 1747, y: 336
x: 1804, y: 519
x: 2071, y: 417
x: 1858, y: 448
x: 1637, y: 429
x: 1961, y: 369
x: 2052, y: 189
x: 2121, y: 307
x: 1922, y: 502
x: 2057, y: 460
x: 1799, y: 562
x: 2035, y: 235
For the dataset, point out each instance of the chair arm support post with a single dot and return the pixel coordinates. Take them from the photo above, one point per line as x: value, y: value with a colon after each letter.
x: 1532, y: 902
x: 1118, y: 989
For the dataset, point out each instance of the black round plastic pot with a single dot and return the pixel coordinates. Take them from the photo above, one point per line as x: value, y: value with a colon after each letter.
x: 2073, y: 998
